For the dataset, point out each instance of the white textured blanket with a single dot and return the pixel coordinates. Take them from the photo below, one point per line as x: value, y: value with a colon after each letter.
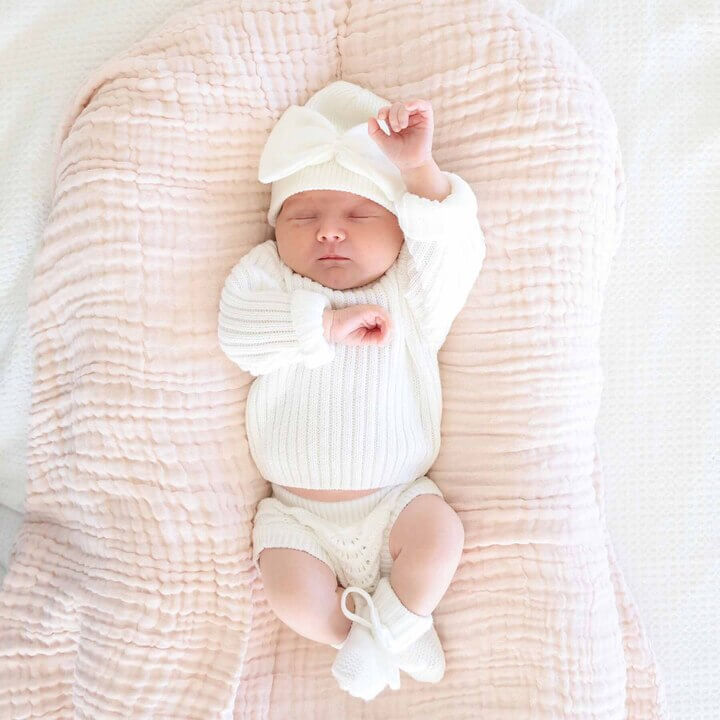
x: 131, y: 590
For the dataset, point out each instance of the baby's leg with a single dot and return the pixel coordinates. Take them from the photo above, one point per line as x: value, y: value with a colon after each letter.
x: 304, y: 593
x: 426, y: 544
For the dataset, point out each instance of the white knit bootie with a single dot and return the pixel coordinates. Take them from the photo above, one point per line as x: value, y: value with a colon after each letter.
x: 363, y: 668
x: 395, y: 627
x: 409, y: 638
x: 402, y: 638
x: 424, y: 660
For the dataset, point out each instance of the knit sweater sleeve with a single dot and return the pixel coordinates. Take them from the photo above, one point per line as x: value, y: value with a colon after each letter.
x: 262, y: 326
x: 441, y: 257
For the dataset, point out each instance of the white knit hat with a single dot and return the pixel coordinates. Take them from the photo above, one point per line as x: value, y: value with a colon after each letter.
x: 325, y: 145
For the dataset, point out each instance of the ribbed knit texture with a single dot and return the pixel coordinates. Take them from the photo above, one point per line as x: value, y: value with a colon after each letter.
x: 333, y: 416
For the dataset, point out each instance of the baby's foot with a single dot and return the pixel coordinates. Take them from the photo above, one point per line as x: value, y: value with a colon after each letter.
x: 362, y: 667
x: 424, y: 660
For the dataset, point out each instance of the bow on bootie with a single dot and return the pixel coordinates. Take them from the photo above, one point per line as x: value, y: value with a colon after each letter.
x: 303, y: 137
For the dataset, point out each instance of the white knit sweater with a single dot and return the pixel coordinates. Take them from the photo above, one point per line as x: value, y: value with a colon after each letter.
x: 330, y: 416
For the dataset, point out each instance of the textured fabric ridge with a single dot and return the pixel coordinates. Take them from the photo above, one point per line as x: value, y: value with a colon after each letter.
x: 131, y: 590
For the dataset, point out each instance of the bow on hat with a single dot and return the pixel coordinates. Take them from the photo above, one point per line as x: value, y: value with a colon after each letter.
x: 303, y: 136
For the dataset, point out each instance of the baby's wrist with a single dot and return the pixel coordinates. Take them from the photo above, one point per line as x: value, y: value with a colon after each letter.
x: 328, y: 314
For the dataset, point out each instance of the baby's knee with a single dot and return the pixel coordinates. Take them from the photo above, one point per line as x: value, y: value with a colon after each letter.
x: 428, y: 526
x: 298, y: 585
x: 444, y: 537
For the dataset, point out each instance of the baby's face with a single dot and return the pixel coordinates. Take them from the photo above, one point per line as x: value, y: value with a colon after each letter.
x: 315, y: 223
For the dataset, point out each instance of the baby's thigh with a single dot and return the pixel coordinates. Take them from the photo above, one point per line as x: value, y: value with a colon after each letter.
x: 296, y: 582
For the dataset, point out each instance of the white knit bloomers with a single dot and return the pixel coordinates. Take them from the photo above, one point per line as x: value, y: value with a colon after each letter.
x: 350, y: 536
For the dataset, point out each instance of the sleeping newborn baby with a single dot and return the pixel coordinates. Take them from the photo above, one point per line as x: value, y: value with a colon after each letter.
x: 340, y: 318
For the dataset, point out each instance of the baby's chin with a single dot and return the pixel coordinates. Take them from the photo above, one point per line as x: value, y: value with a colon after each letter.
x: 340, y: 277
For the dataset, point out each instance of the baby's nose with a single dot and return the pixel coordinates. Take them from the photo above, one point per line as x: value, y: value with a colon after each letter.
x: 332, y: 236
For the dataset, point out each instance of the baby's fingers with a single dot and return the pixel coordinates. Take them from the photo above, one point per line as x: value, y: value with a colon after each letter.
x: 399, y: 117
x: 419, y: 105
x: 395, y: 116
x: 384, y: 326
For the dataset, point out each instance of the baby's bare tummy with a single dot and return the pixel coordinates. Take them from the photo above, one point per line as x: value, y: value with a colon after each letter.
x: 328, y: 495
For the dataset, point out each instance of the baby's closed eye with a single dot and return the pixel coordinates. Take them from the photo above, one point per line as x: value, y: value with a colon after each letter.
x: 352, y: 217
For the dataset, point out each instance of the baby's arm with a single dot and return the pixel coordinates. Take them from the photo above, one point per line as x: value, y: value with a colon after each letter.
x: 263, y: 327
x: 441, y: 257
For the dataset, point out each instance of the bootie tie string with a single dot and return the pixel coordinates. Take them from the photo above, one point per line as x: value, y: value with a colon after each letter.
x: 380, y: 631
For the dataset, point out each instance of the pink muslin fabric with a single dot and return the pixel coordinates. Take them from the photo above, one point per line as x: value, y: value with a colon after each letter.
x: 131, y: 591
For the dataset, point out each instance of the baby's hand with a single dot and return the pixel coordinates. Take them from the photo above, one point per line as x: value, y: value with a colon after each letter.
x: 411, y: 124
x: 357, y: 325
